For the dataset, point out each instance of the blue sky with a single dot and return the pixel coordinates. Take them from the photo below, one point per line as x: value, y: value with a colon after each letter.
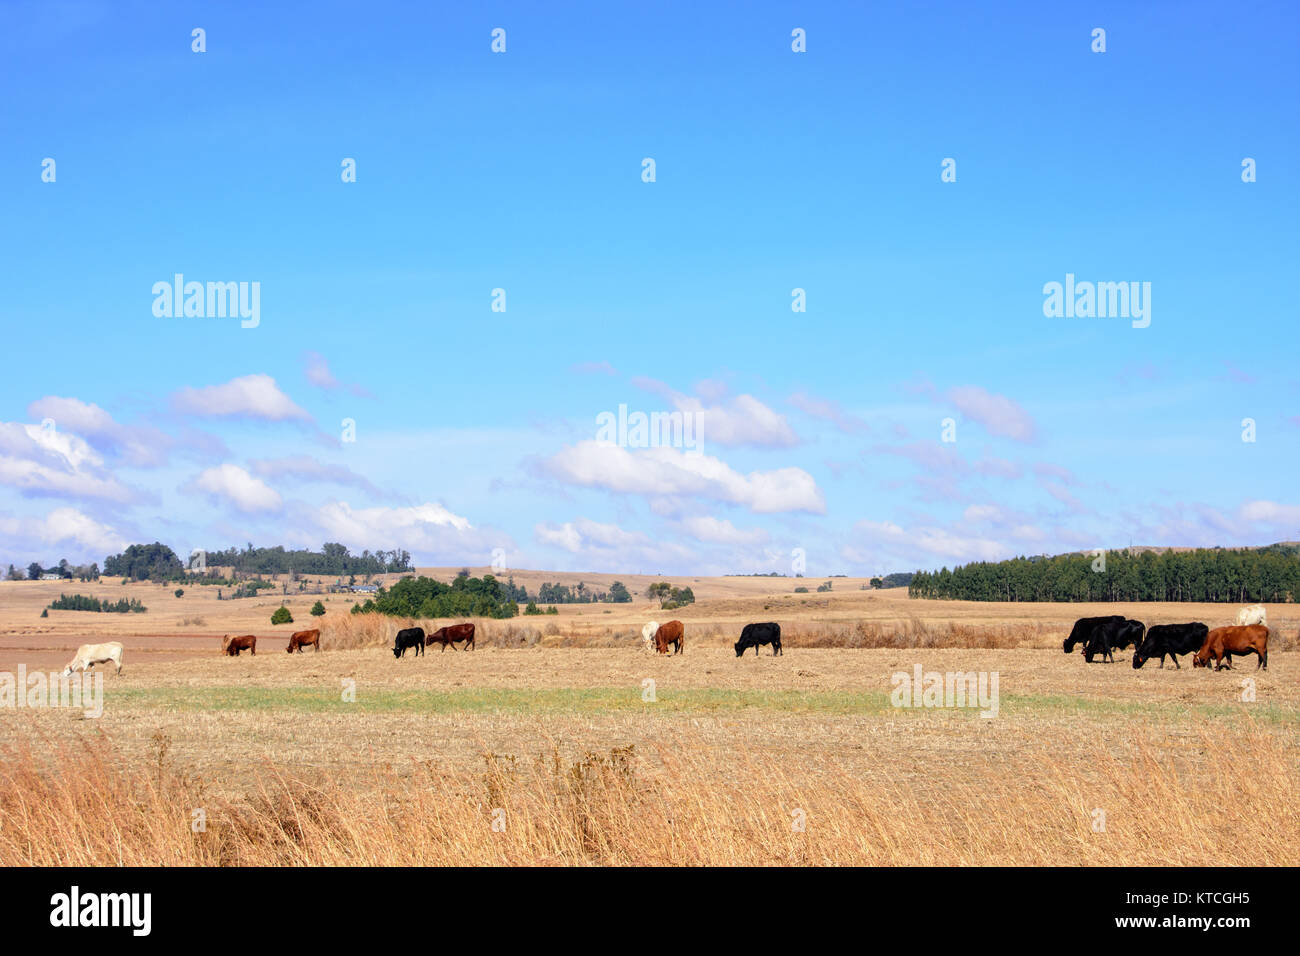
x: 775, y: 170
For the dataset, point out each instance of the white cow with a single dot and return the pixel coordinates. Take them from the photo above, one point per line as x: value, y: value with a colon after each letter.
x: 1254, y: 614
x: 88, y: 655
x: 648, y: 635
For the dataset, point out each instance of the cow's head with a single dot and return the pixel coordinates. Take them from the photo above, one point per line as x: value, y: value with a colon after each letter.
x: 1201, y: 659
x: 1138, y: 659
x: 292, y: 645
x: 225, y: 644
x: 740, y: 648
x: 397, y: 651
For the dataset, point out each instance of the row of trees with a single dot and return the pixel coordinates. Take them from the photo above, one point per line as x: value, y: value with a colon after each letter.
x: 425, y: 597
x: 1207, y: 575
x: 81, y: 602
x: 65, y: 570
x: 157, y: 562
x: 333, y: 558
x: 580, y: 594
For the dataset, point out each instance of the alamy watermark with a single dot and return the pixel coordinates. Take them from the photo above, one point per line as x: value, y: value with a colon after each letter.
x: 212, y: 300
x: 923, y: 688
x: 40, y: 690
x: 1098, y: 300
x: 654, y: 430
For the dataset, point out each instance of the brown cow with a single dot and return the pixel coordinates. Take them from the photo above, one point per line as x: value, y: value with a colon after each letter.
x: 300, y: 639
x: 452, y: 634
x: 670, y: 633
x: 233, y: 645
x: 1222, y: 642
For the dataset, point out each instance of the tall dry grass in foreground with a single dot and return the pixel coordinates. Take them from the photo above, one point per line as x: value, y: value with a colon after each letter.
x: 1228, y: 800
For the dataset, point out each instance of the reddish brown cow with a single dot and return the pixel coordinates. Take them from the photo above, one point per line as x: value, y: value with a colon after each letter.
x: 1222, y: 642
x: 300, y: 639
x: 452, y: 634
x: 233, y: 645
x: 671, y: 633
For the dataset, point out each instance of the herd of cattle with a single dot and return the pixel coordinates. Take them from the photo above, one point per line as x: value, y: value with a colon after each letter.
x: 1102, y: 636
x: 673, y: 634
x: 233, y: 646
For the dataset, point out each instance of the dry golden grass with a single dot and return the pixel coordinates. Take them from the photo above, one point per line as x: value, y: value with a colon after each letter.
x: 1237, y: 803
x: 545, y: 721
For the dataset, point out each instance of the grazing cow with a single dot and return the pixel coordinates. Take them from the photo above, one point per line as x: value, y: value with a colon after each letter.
x: 1083, y: 629
x: 671, y: 633
x: 232, y: 646
x: 409, y: 637
x: 648, y: 635
x: 1171, y: 639
x: 1223, y: 642
x: 300, y: 639
x: 1255, y: 614
x: 452, y: 634
x: 1112, y: 636
x: 88, y: 655
x: 755, y: 634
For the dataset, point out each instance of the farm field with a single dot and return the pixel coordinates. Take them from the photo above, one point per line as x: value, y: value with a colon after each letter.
x: 547, y: 725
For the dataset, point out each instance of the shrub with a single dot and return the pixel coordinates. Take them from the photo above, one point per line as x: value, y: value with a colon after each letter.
x: 317, y: 609
x: 282, y: 616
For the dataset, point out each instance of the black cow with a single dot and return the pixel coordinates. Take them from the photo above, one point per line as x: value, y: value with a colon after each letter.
x: 409, y: 637
x: 1110, y: 636
x: 755, y: 634
x: 1083, y: 629
x: 1171, y: 639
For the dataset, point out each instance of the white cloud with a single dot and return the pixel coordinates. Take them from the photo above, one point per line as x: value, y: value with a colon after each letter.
x: 138, y: 446
x: 721, y: 531
x: 250, y: 396
x: 604, y: 546
x: 998, y: 414
x: 431, y: 532
x: 49, y: 461
x: 235, y: 486
x: 306, y: 468
x: 671, y: 472
x: 64, y: 528
x: 317, y: 370
x: 884, y: 543
x: 743, y: 420
x: 1271, y: 512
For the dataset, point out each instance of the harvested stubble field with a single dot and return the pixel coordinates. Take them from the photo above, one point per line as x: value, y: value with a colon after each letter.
x: 544, y: 731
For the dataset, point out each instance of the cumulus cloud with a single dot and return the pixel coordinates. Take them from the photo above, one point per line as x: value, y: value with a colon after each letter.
x: 317, y: 370
x: 65, y: 528
x: 1271, y: 512
x: 721, y: 531
x: 250, y: 396
x: 602, y: 545
x: 877, y: 543
x: 136, y: 445
x: 429, y: 531
x: 998, y: 414
x: 49, y: 461
x: 671, y: 472
x: 306, y: 468
x: 742, y: 420
x: 233, y: 485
